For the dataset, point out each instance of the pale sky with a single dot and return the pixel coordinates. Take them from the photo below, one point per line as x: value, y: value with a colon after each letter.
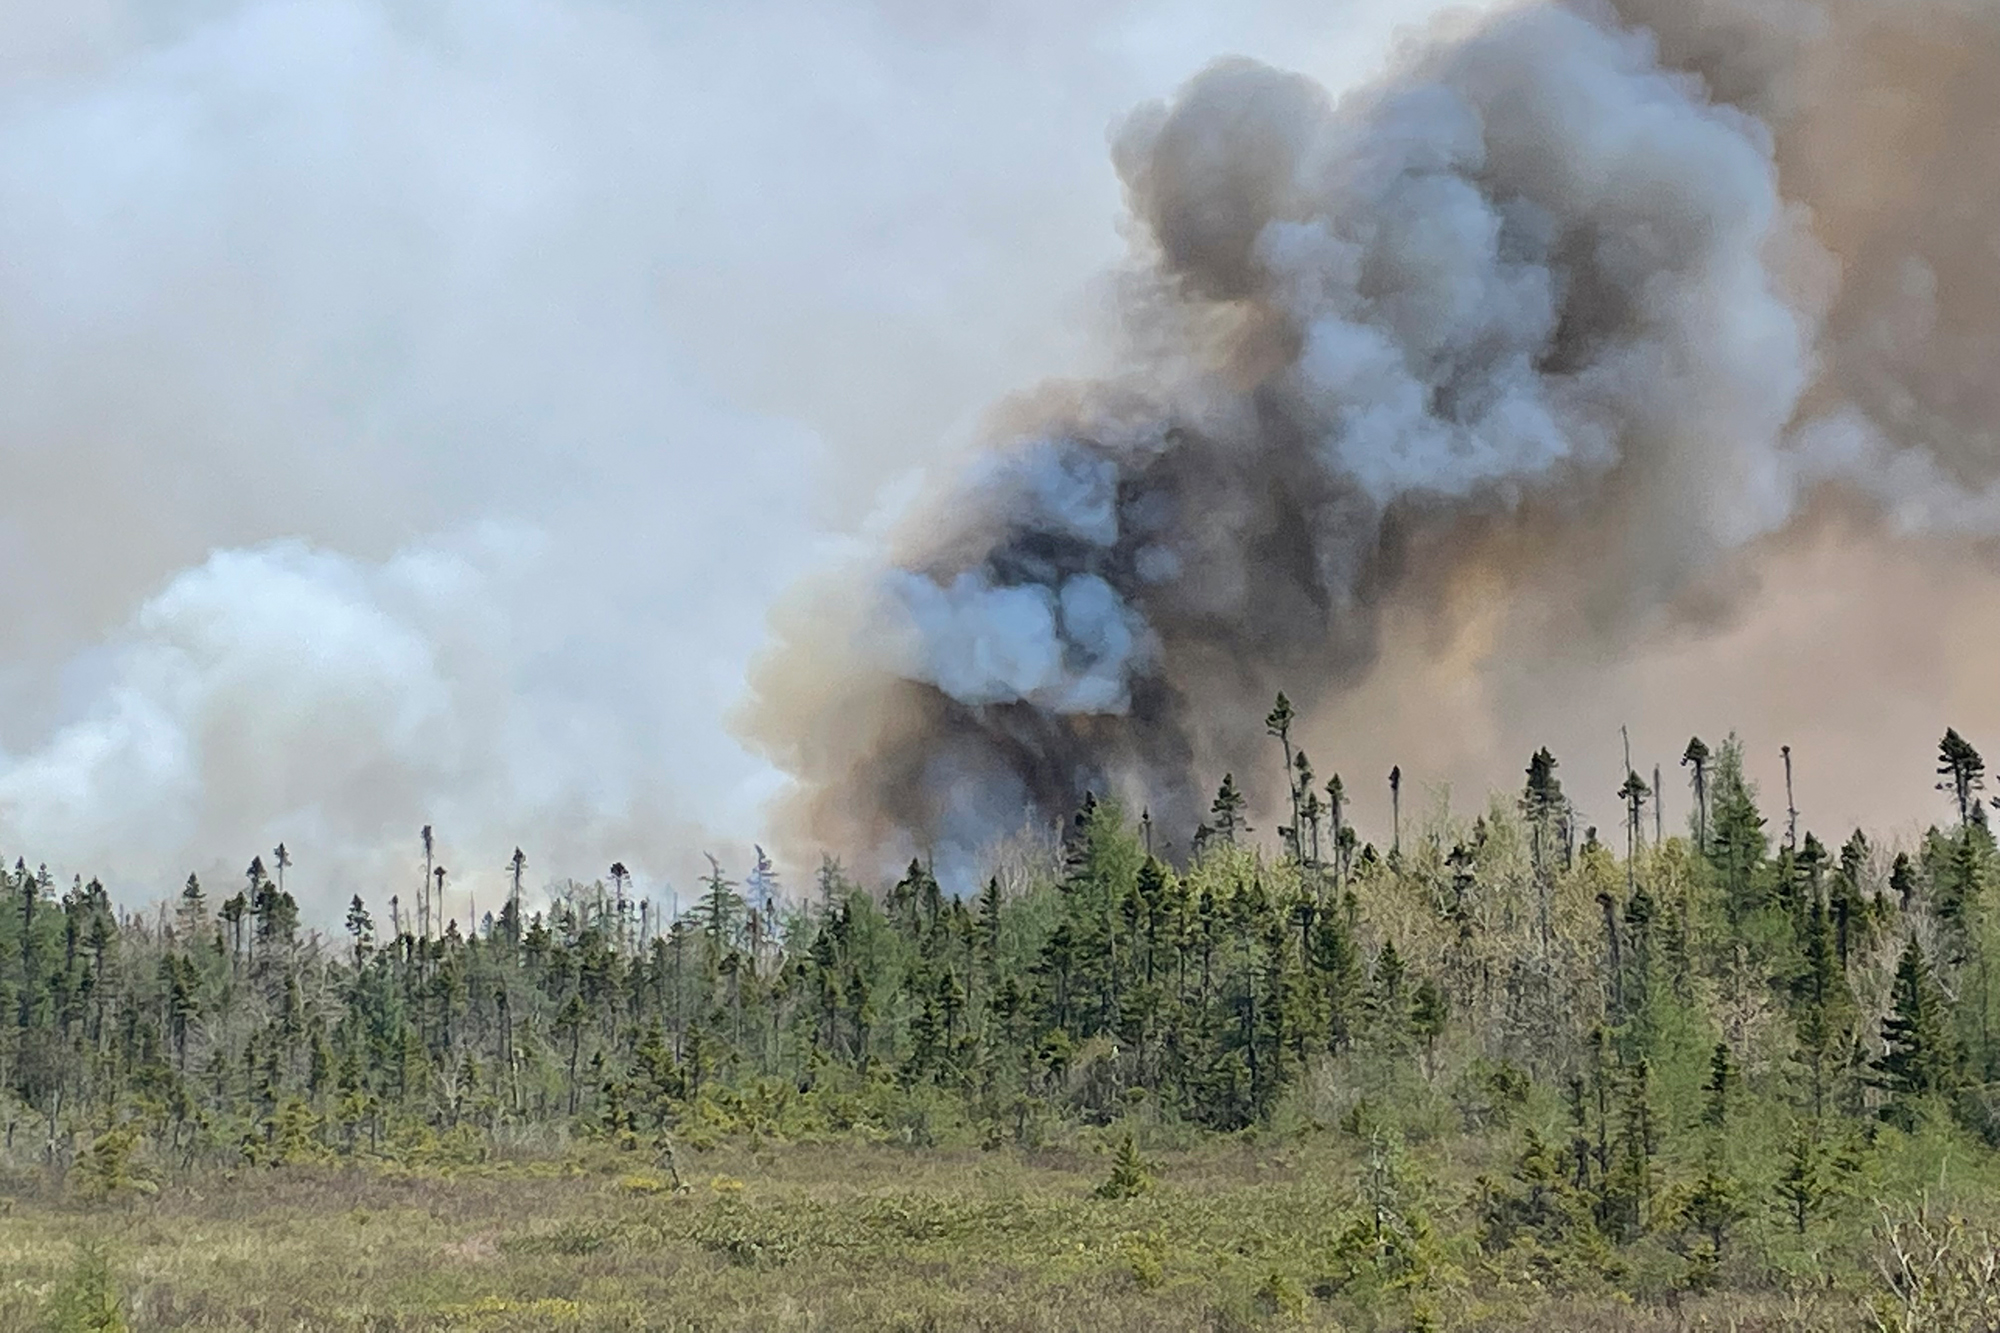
x: 413, y: 408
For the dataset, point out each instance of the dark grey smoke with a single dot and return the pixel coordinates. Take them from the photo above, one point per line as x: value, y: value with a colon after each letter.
x: 1546, y: 305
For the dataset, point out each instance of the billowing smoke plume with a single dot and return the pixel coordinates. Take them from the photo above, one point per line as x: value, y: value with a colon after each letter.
x: 1579, y: 310
x: 412, y: 407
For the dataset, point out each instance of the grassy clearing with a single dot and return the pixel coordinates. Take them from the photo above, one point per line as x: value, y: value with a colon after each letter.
x: 834, y: 1236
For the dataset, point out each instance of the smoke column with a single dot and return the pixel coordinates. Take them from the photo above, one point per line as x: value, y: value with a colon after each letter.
x: 1545, y: 352
x: 409, y: 409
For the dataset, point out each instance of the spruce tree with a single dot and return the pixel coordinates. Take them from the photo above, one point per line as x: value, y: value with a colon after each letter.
x: 1903, y: 880
x: 1386, y: 995
x: 1227, y: 810
x: 1722, y: 1080
x: 1822, y: 1008
x: 1430, y: 1012
x: 1343, y: 836
x: 1695, y: 758
x: 1628, y: 1183
x: 1541, y: 805
x: 1129, y: 1176
x: 1963, y: 772
x: 1801, y: 1188
x: 1278, y: 725
x: 1739, y: 843
x: 1920, y: 1062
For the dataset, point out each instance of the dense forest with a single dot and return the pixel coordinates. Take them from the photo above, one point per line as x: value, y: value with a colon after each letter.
x: 1679, y: 1035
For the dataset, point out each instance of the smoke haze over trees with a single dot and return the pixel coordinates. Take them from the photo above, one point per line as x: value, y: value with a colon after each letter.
x: 415, y: 412
x: 1541, y: 348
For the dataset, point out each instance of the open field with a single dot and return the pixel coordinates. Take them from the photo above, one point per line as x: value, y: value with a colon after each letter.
x: 837, y: 1236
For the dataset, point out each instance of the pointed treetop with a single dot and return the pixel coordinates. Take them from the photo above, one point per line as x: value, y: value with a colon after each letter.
x: 1279, y: 721
x: 1963, y: 770
x: 1228, y: 810
x: 1543, y: 793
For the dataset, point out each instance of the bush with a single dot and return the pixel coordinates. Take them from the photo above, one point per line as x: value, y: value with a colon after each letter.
x: 107, y: 1168
x: 1937, y: 1274
x: 87, y: 1300
x: 1129, y: 1176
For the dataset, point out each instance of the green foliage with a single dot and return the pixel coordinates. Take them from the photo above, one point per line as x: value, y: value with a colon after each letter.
x: 1802, y: 1188
x: 86, y: 1300
x: 1712, y: 1209
x: 1129, y: 1176
x: 107, y: 1169
x: 1663, y: 1068
x: 1921, y: 1059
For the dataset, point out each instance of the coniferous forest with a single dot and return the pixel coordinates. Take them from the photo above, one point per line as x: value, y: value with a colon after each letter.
x: 1733, y: 1069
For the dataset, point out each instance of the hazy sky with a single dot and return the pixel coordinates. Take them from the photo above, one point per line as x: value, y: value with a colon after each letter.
x: 411, y: 409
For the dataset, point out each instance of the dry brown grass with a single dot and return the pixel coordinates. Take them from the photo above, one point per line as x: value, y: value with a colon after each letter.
x: 793, y: 1239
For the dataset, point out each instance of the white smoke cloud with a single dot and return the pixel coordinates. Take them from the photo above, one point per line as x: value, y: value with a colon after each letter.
x: 1071, y: 649
x: 414, y: 408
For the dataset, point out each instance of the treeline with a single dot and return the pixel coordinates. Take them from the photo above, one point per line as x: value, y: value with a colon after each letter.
x: 1668, y: 1028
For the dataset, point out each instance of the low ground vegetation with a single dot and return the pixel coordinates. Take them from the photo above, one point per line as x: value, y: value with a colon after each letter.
x: 1300, y: 1230
x: 1494, y: 1072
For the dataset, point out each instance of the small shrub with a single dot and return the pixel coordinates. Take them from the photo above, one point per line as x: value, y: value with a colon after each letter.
x: 1129, y: 1176
x: 1937, y: 1274
x: 1145, y: 1260
x: 107, y: 1168
x: 87, y: 1299
x: 747, y: 1240
x: 1279, y: 1296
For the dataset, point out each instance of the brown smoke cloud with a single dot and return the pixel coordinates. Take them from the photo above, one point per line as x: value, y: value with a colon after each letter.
x: 1604, y: 364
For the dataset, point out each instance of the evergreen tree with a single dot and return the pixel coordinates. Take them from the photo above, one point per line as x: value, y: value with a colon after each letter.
x: 1920, y: 1062
x: 1430, y: 1011
x: 1541, y: 806
x: 1823, y: 1008
x: 1958, y: 883
x: 1278, y: 725
x: 191, y: 913
x: 1336, y: 813
x: 721, y: 912
x: 1628, y: 1184
x: 361, y: 928
x: 1227, y: 811
x: 1739, y: 843
x: 1802, y: 1189
x: 1695, y: 758
x: 1903, y: 880
x: 1963, y: 772
x: 1722, y: 1081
